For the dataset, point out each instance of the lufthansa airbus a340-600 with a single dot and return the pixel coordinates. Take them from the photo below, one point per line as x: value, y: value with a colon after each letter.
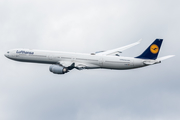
x: 63, y: 62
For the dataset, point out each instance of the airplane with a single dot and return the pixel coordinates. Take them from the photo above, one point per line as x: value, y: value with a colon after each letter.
x: 63, y: 62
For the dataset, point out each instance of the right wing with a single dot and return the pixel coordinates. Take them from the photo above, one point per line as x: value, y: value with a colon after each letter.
x: 118, y: 50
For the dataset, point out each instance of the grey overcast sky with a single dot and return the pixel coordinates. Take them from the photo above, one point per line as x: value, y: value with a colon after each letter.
x: 30, y: 92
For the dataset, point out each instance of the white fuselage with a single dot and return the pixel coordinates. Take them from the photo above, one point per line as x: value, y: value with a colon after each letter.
x: 88, y: 60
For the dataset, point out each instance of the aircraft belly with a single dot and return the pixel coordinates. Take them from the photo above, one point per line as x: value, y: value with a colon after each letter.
x: 118, y: 64
x: 33, y: 59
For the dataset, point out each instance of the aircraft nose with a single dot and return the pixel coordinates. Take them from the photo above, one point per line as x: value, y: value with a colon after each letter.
x: 6, y: 55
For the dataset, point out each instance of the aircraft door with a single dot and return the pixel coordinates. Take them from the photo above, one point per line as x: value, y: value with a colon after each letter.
x: 132, y: 62
x: 50, y: 57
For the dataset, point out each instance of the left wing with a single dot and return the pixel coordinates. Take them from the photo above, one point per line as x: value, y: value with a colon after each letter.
x: 80, y: 66
x: 118, y: 50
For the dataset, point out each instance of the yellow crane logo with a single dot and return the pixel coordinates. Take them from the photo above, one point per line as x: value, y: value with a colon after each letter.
x: 154, y: 49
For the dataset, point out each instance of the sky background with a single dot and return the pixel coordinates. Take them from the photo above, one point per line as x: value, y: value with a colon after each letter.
x: 30, y: 92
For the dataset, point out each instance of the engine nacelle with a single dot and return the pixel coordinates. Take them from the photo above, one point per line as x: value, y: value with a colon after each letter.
x: 56, y: 69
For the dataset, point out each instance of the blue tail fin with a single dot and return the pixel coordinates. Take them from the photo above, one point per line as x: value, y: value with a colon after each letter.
x: 152, y: 51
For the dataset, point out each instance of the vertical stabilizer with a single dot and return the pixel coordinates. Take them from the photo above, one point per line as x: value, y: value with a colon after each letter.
x: 152, y: 51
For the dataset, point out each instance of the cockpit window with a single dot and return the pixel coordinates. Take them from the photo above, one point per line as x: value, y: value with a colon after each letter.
x: 8, y: 52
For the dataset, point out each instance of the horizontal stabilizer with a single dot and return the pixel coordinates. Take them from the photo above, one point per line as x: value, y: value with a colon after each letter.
x: 166, y: 57
x: 151, y: 62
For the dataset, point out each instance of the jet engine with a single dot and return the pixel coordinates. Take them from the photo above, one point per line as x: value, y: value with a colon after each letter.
x: 56, y: 69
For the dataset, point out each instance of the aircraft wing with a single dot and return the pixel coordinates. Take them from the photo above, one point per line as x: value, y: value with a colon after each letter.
x: 118, y: 50
x: 65, y: 63
x: 80, y: 66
